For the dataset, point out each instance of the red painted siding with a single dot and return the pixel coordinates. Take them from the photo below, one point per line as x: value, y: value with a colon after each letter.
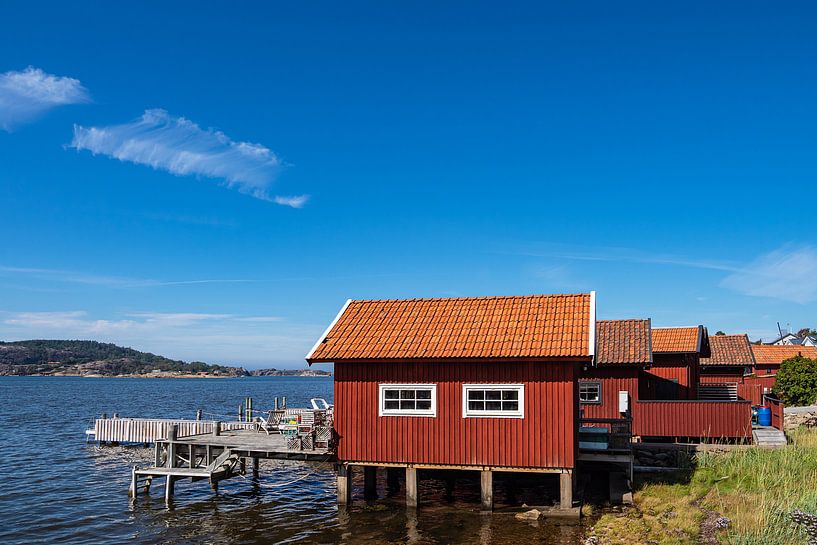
x: 699, y: 419
x: 544, y: 438
x: 753, y: 387
x: 680, y: 368
x: 613, y: 380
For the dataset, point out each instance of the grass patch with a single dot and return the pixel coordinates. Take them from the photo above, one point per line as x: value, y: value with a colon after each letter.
x: 755, y: 488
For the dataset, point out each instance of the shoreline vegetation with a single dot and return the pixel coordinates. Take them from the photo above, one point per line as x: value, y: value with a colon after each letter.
x: 734, y: 497
x: 91, y: 359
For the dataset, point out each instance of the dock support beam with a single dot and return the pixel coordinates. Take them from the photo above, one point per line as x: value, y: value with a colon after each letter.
x: 169, y: 484
x: 486, y: 484
x: 411, y: 487
x: 255, y: 471
x: 370, y: 482
x: 566, y: 490
x: 344, y: 484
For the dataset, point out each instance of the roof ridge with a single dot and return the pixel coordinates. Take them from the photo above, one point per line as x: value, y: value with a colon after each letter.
x: 475, y: 298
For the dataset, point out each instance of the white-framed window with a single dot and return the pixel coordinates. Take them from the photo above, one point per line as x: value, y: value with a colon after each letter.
x: 493, y: 400
x: 408, y: 400
x: 590, y: 392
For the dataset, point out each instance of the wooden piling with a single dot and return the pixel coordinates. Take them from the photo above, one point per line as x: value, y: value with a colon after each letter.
x: 369, y: 482
x: 566, y: 490
x: 344, y: 484
x: 486, y: 482
x: 172, y: 433
x: 411, y: 487
x: 255, y: 471
x: 216, y: 428
x: 132, y: 489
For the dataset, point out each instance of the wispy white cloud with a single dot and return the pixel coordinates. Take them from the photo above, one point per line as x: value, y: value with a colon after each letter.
x: 179, y: 146
x: 626, y: 255
x: 295, y: 202
x: 788, y: 273
x: 76, y: 277
x: 26, y: 95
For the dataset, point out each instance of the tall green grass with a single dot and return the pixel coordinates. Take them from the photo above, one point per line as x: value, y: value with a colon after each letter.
x: 757, y: 489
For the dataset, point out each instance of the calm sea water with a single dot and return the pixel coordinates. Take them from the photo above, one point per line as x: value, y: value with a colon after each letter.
x: 56, y: 489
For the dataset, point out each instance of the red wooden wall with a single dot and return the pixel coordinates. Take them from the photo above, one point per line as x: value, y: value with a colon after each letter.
x: 700, y: 419
x: 544, y: 438
x: 681, y: 367
x: 750, y: 387
x: 613, y: 380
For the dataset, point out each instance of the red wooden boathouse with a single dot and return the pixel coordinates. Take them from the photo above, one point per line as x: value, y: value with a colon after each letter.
x: 488, y: 384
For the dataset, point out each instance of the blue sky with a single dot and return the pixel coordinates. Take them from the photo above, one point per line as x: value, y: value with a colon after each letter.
x: 212, y: 182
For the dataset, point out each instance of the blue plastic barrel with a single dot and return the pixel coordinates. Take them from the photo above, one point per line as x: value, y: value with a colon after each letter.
x: 764, y: 416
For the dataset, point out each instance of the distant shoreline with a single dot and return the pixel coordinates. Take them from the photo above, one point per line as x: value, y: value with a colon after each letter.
x: 163, y: 376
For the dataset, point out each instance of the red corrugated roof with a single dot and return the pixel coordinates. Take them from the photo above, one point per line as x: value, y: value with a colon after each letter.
x: 772, y: 353
x: 623, y: 342
x: 534, y: 326
x: 729, y: 350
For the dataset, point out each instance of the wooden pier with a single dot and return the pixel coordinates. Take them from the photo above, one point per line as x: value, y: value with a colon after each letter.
x: 217, y: 456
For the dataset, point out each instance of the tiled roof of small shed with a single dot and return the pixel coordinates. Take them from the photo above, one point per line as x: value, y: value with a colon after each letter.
x: 769, y: 354
x: 676, y: 339
x: 534, y: 326
x: 729, y: 350
x: 623, y: 342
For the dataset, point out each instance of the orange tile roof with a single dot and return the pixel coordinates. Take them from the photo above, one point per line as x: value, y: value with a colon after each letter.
x: 535, y: 326
x: 772, y: 353
x: 729, y: 350
x: 623, y: 341
x: 677, y: 339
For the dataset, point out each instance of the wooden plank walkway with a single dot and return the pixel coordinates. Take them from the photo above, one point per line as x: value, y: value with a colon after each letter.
x: 767, y: 436
x: 252, y: 444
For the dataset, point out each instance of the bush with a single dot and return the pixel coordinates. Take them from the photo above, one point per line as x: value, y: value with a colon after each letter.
x: 796, y: 382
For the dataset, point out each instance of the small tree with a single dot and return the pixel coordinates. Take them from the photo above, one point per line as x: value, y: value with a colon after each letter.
x: 719, y: 332
x: 796, y: 382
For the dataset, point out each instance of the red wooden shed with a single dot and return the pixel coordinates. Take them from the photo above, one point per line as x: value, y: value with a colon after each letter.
x: 487, y: 383
x: 722, y: 374
x: 623, y: 350
x: 676, y: 360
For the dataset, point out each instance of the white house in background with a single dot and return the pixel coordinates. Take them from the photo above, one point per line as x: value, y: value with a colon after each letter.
x: 790, y: 339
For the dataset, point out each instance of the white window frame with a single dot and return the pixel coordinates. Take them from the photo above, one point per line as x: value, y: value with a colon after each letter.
x: 381, y: 400
x: 596, y: 383
x: 468, y: 413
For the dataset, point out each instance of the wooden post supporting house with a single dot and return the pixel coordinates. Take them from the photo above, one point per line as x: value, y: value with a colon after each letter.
x: 344, y: 484
x: 369, y: 482
x: 566, y: 490
x: 411, y: 487
x: 255, y: 471
x: 486, y: 482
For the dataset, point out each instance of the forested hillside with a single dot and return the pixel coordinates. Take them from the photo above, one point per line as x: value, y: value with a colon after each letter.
x: 92, y: 357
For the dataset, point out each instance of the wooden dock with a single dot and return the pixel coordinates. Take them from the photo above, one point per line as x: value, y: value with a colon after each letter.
x: 217, y: 456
